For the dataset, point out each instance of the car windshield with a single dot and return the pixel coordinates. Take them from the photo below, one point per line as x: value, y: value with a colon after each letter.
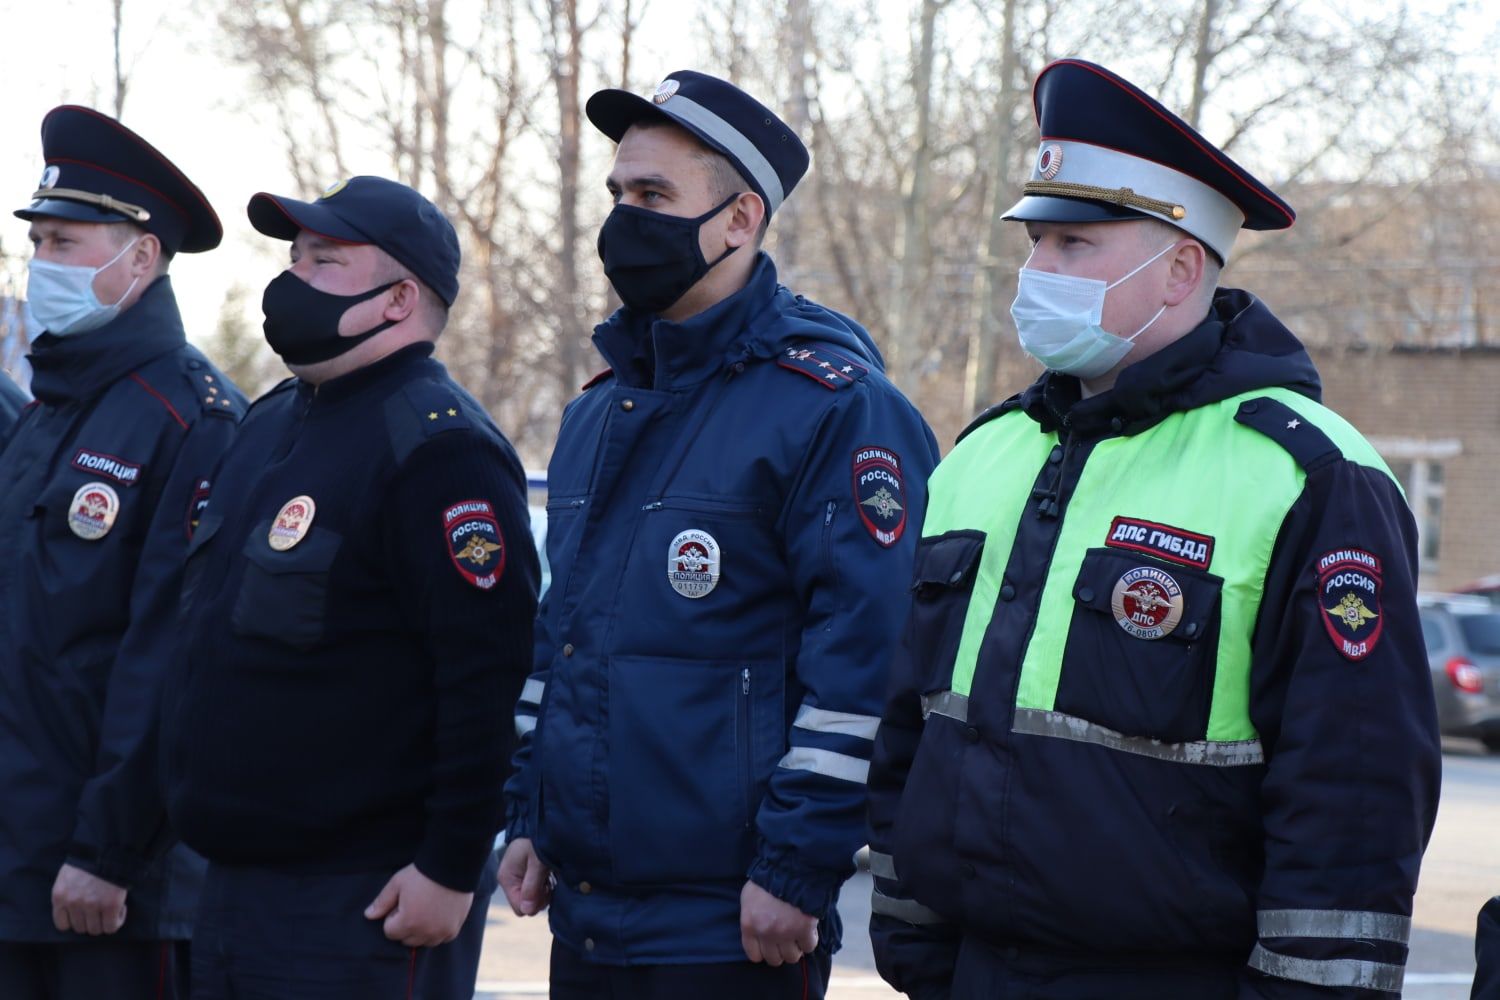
x: 1481, y: 632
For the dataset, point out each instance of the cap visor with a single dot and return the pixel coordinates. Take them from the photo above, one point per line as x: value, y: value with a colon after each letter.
x: 1036, y: 208
x: 62, y: 208
x: 283, y: 218
x: 614, y: 111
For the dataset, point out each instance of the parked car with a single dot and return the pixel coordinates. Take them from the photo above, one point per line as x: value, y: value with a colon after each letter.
x: 1462, y: 633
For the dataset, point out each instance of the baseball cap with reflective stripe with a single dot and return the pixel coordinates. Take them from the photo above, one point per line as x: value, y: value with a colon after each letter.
x: 1109, y: 151
x: 722, y: 116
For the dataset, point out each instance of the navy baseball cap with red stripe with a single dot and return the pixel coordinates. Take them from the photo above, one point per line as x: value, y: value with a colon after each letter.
x: 377, y: 211
x: 1110, y: 151
x: 97, y: 170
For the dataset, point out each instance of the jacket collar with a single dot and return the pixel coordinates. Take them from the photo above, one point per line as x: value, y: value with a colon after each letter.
x: 682, y: 354
x: 336, y: 390
x: 80, y: 366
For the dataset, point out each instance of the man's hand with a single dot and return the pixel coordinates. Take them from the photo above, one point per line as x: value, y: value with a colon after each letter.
x: 526, y: 882
x: 417, y: 911
x: 773, y: 931
x: 86, y: 903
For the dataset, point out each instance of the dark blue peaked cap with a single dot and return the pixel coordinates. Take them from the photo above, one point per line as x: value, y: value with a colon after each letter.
x: 100, y: 171
x: 766, y: 152
x: 373, y: 210
x: 1111, y: 151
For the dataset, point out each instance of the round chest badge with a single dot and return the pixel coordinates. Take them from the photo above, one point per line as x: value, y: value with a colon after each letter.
x: 93, y: 512
x: 693, y: 563
x: 1147, y: 603
x: 292, y: 523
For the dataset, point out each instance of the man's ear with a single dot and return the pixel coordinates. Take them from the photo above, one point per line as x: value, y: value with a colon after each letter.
x: 1185, y: 275
x: 145, y: 255
x: 744, y: 219
x: 404, y: 298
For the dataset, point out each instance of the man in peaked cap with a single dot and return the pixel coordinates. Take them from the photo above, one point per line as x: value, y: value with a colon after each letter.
x: 357, y: 623
x: 728, y: 536
x: 1162, y: 725
x: 102, y: 477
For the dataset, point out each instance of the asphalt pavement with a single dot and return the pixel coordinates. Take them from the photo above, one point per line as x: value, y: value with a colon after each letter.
x: 1461, y: 871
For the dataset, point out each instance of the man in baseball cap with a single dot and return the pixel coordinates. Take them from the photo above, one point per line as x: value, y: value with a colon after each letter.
x: 362, y: 628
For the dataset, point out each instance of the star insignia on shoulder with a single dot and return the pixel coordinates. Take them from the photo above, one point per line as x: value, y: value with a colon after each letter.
x: 452, y: 412
x: 1293, y: 424
x: 432, y: 415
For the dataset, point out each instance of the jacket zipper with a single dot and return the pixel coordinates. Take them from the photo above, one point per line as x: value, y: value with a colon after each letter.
x: 742, y: 744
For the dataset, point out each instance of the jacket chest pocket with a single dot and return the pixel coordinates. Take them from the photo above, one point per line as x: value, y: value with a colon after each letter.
x: 196, y: 559
x: 283, y: 596
x: 1142, y: 647
x: 943, y: 573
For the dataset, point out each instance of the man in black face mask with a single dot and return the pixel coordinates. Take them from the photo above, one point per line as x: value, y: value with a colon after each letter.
x: 356, y: 622
x: 732, y: 513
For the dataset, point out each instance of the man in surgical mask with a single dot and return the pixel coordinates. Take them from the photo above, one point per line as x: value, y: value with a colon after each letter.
x: 1163, y: 725
x: 100, y: 480
x: 730, y: 532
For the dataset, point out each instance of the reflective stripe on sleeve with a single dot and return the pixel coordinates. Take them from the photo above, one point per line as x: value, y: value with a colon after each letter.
x: 821, y: 720
x: 1355, y: 925
x: 1329, y: 972
x: 908, y: 910
x: 946, y: 703
x: 524, y: 724
x: 533, y: 690
x: 827, y: 762
x: 1237, y: 753
x: 882, y: 865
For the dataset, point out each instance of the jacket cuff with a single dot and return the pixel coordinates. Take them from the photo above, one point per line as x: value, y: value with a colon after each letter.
x: 518, y: 820
x: 811, y: 890
x: 116, y: 866
x: 453, y: 865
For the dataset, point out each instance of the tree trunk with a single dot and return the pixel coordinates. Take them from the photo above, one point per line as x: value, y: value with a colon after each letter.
x: 916, y: 243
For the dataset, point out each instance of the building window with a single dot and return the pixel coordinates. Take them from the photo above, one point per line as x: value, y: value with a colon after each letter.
x: 1422, y: 479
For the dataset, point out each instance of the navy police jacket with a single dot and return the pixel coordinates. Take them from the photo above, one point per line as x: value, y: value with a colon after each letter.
x: 99, y: 482
x: 12, y: 399
x: 356, y: 624
x: 730, y: 529
x: 1104, y: 847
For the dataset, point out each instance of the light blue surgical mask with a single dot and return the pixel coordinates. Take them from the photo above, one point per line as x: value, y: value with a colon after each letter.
x: 1057, y: 318
x: 62, y: 300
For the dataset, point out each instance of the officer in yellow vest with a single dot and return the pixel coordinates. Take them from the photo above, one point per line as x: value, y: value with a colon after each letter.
x: 1162, y: 725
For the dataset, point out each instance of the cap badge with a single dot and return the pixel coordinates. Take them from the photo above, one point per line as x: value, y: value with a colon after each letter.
x: 1147, y: 603
x: 693, y: 563
x: 1049, y: 161
x: 666, y: 91
x: 49, y: 177
x: 93, y: 511
x: 292, y: 523
x: 335, y: 188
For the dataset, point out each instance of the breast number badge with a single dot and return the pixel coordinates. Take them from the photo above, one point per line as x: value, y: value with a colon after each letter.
x: 93, y: 512
x: 292, y: 523
x: 693, y: 563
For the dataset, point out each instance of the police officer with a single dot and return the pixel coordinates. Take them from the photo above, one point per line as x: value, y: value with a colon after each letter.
x: 1162, y: 725
x: 12, y: 399
x: 356, y: 625
x: 731, y: 515
x: 100, y: 480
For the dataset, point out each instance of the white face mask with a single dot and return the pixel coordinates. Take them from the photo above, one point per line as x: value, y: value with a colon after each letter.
x: 1057, y: 317
x: 62, y: 300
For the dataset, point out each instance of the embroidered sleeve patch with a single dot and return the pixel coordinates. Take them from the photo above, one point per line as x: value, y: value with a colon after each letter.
x: 1186, y: 548
x: 1349, y: 583
x: 197, y: 505
x: 474, y: 542
x: 880, y: 494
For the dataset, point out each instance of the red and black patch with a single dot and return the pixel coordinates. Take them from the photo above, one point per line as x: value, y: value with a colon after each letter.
x: 1185, y: 548
x: 474, y: 542
x: 880, y: 493
x: 97, y: 462
x: 1349, y: 583
x: 197, y: 505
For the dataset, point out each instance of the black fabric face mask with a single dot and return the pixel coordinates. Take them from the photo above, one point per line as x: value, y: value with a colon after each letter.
x: 652, y: 259
x: 302, y: 323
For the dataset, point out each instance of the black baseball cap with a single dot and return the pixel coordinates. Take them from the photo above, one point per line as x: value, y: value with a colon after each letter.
x: 372, y: 210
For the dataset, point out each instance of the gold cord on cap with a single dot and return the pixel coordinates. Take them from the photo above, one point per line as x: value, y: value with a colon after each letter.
x: 134, y: 213
x: 1116, y: 196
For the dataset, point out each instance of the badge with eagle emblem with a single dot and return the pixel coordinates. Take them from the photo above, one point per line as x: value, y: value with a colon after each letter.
x: 1349, y: 584
x: 474, y: 542
x: 880, y: 494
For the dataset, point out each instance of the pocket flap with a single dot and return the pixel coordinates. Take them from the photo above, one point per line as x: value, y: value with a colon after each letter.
x: 313, y: 554
x: 1113, y: 583
x: 947, y: 560
x: 208, y: 526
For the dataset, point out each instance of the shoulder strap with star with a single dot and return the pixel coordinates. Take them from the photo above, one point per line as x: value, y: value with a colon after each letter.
x: 421, y: 410
x: 1303, y: 441
x: 828, y: 366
